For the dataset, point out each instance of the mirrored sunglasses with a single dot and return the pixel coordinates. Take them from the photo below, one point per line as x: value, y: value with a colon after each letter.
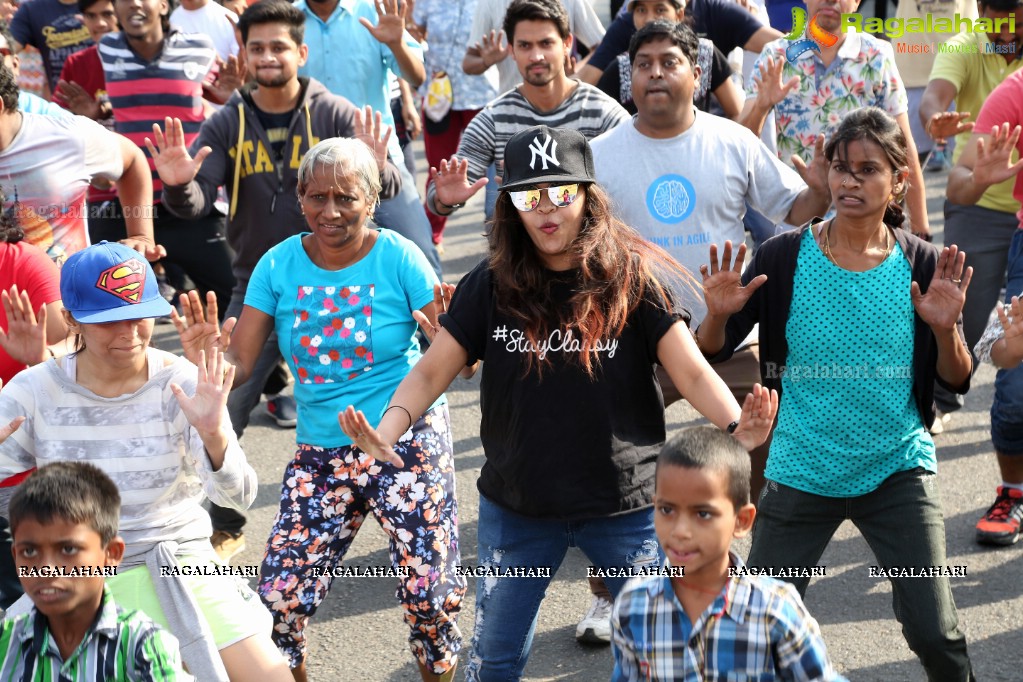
x: 560, y: 196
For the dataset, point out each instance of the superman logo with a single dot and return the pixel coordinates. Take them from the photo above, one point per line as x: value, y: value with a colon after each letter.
x: 125, y: 280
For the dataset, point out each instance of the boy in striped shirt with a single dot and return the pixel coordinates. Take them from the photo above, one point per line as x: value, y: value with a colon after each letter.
x: 64, y: 520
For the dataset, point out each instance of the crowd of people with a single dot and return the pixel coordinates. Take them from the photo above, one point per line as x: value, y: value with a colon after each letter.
x: 670, y: 206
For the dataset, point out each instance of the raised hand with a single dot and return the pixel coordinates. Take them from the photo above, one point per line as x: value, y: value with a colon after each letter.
x: 941, y: 305
x: 237, y: 35
x: 205, y: 410
x: 1012, y: 330
x: 451, y: 181
x: 390, y: 22
x: 369, y: 128
x: 722, y: 281
x: 78, y: 100
x: 994, y: 157
x: 200, y: 330
x: 365, y: 437
x: 816, y: 174
x: 25, y: 337
x: 412, y: 120
x: 442, y: 294
x: 770, y: 88
x: 230, y: 77
x: 170, y: 154
x: 946, y: 124
x: 6, y: 431
x: 493, y: 47
x: 571, y: 63
x: 758, y: 411
x: 145, y: 247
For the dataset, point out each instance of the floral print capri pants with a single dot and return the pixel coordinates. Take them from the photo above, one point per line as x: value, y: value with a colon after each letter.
x: 326, y: 495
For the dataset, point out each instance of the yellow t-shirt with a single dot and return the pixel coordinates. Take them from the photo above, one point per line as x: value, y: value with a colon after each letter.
x: 975, y: 73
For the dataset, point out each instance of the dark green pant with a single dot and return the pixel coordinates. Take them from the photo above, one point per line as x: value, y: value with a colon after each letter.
x: 903, y: 524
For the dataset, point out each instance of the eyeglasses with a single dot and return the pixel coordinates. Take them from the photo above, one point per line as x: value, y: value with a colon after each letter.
x: 560, y: 195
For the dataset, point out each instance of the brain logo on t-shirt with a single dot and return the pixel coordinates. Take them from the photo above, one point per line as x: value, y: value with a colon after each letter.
x: 671, y: 199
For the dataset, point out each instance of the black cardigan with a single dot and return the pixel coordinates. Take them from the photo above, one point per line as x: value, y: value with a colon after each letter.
x: 770, y: 304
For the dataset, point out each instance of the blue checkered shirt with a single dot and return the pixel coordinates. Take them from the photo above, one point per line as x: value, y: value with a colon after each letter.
x: 757, y: 629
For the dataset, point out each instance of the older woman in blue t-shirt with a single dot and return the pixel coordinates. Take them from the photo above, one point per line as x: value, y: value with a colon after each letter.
x: 340, y: 298
x: 858, y: 318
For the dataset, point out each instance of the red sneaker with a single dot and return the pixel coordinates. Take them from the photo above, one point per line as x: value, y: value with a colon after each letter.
x: 1000, y: 525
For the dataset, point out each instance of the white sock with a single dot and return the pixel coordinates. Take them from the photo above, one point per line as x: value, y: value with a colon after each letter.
x: 1016, y: 486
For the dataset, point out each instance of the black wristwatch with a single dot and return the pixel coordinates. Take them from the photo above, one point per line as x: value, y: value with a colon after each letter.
x: 449, y: 207
x: 732, y: 427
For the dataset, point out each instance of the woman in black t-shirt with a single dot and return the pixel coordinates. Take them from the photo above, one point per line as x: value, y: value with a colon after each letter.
x: 571, y: 315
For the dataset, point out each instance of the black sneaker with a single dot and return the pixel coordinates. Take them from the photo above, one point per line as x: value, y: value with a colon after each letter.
x: 284, y: 411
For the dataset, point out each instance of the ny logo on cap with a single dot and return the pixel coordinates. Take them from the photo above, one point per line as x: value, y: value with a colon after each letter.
x: 539, y: 149
x: 125, y: 280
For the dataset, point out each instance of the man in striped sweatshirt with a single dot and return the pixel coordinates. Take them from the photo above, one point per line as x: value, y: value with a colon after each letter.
x: 541, y: 42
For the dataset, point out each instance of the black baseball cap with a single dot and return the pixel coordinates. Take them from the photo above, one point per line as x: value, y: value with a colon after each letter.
x: 542, y: 154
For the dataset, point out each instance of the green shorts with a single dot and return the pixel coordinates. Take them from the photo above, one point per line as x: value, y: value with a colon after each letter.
x: 232, y: 609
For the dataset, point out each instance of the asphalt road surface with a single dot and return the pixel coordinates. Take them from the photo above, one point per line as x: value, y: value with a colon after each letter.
x: 358, y: 634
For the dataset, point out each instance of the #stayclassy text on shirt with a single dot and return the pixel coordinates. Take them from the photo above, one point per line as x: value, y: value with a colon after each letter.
x: 558, y: 340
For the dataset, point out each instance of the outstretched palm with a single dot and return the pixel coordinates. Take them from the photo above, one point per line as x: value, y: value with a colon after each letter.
x: 941, y: 306
x: 390, y: 22
x: 25, y: 337
x: 1011, y: 317
x: 370, y: 128
x: 170, y: 154
x: 451, y: 181
x: 355, y: 425
x: 946, y: 124
x: 205, y: 409
x: 722, y: 281
x: 493, y: 47
x: 770, y: 88
x: 199, y: 329
x: 994, y: 156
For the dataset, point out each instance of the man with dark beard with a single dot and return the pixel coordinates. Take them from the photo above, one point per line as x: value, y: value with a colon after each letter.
x: 252, y: 147
x: 540, y: 42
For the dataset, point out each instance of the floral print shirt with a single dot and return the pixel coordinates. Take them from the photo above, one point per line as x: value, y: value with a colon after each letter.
x: 862, y: 74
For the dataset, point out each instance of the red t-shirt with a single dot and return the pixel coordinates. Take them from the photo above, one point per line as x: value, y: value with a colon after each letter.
x: 85, y: 68
x: 1005, y: 105
x: 32, y: 270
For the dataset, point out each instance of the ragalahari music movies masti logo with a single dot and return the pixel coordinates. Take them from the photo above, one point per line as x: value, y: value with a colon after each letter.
x: 815, y: 38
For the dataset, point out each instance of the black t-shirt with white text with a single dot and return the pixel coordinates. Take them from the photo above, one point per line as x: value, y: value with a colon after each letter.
x: 562, y: 445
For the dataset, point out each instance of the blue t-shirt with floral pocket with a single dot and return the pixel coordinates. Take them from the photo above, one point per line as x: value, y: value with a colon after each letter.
x: 347, y: 335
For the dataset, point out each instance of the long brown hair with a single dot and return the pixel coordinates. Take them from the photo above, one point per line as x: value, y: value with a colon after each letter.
x: 616, y: 269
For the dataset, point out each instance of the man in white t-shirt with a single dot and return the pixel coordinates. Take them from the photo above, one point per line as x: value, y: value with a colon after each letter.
x: 682, y: 177
x: 46, y: 165
x: 212, y: 20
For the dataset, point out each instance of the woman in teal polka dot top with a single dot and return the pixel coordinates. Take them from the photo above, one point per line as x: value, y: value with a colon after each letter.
x: 858, y: 318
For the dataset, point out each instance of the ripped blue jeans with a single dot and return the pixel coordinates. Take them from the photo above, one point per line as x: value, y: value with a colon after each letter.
x: 507, y: 607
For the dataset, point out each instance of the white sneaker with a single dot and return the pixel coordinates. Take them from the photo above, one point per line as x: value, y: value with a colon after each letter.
x: 941, y: 419
x: 595, y: 627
